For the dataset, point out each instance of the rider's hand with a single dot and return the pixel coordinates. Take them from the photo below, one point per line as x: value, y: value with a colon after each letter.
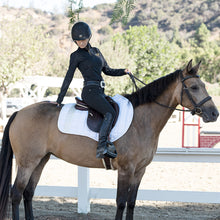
x: 128, y: 71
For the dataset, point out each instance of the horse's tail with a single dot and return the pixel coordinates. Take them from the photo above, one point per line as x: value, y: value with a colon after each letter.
x: 6, y: 156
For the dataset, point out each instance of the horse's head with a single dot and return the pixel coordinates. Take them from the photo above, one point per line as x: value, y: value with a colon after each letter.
x: 194, y: 96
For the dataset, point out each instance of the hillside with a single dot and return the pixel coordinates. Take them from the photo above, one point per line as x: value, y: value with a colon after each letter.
x: 170, y: 15
x: 183, y: 15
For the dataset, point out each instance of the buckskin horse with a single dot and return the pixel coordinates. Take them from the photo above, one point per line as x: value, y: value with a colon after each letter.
x: 32, y: 136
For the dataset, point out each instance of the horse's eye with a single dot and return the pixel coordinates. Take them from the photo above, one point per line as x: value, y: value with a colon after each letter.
x: 194, y: 87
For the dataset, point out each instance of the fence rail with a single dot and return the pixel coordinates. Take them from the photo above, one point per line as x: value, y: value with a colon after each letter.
x: 84, y: 193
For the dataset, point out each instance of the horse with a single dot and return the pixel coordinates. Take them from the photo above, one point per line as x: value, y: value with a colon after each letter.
x: 31, y: 135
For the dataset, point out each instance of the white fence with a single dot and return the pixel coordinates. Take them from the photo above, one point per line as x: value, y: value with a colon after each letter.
x: 84, y: 193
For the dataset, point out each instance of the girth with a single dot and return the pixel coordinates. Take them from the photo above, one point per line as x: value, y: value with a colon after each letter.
x: 94, y: 120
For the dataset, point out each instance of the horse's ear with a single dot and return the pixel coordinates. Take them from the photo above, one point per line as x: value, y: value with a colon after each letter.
x: 196, y: 67
x: 189, y: 66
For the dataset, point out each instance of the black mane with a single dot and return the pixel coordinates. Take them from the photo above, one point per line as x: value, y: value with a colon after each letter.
x: 151, y: 91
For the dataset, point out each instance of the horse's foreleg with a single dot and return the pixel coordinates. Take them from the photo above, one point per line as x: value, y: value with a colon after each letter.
x: 29, y: 190
x: 121, y: 199
x: 122, y: 191
x: 132, y: 193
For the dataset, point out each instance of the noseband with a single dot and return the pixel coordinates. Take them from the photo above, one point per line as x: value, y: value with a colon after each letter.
x: 196, y: 109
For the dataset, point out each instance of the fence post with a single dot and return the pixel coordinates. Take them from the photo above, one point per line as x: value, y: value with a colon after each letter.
x: 83, y: 190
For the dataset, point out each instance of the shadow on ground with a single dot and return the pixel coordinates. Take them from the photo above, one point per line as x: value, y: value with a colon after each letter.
x: 66, y: 209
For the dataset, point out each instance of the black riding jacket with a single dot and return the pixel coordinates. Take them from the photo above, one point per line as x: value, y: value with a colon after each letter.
x: 91, y: 63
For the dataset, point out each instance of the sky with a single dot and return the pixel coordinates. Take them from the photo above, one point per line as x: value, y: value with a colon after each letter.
x: 49, y: 5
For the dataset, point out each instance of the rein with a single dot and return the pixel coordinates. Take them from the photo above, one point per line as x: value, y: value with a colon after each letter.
x: 196, y: 110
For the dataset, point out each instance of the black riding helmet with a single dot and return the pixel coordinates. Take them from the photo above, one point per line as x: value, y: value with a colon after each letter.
x: 81, y: 31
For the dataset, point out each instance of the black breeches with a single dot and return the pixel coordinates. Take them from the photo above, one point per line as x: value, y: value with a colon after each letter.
x: 94, y: 96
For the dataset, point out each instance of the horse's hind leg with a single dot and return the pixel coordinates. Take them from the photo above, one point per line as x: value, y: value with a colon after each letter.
x: 24, y: 173
x: 21, y: 181
x: 29, y: 190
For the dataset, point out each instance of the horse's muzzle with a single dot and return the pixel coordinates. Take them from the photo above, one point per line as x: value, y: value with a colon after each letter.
x: 209, y: 115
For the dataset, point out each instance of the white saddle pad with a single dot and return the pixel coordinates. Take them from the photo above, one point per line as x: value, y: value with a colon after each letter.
x: 73, y: 121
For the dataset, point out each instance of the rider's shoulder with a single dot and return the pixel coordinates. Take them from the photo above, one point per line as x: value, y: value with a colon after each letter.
x: 96, y: 50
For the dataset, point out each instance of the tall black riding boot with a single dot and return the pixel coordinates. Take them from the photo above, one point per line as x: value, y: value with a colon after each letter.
x: 105, y: 147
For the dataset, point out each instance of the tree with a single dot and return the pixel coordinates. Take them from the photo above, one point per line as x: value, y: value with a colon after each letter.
x: 74, y: 9
x: 25, y: 49
x: 210, y: 57
x: 121, y: 11
x: 154, y: 56
x: 208, y: 52
x: 202, y: 35
x: 117, y: 56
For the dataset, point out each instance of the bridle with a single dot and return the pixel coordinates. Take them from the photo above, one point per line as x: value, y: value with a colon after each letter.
x: 197, y: 107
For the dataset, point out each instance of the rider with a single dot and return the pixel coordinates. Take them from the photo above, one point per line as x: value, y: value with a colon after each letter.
x: 91, y: 63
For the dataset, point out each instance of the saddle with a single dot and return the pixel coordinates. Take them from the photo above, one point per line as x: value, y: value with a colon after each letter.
x: 94, y: 120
